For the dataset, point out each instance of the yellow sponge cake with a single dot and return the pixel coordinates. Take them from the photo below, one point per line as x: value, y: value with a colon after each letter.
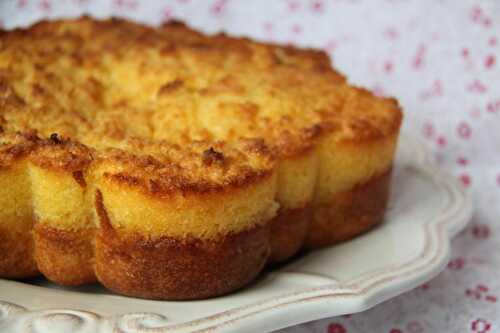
x: 165, y: 163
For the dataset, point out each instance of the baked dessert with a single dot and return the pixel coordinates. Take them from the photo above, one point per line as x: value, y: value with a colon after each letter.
x: 168, y: 164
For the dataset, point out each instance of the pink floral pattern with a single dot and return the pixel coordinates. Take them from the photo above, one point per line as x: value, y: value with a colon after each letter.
x: 336, y: 328
x: 440, y: 59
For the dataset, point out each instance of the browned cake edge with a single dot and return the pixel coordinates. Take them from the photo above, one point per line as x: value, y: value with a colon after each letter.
x: 350, y: 213
x: 65, y: 257
x: 288, y: 233
x: 177, y: 269
x: 17, y: 257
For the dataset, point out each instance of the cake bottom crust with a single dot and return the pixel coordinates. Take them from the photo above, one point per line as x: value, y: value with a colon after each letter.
x: 171, y: 268
x: 288, y: 233
x: 350, y: 213
x: 175, y: 269
x: 16, y: 254
x: 65, y: 257
x: 164, y: 268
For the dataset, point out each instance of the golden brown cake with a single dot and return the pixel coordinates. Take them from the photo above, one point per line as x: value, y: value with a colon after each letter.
x: 168, y: 164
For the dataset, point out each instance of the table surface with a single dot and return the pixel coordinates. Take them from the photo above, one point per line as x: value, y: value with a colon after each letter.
x: 441, y: 59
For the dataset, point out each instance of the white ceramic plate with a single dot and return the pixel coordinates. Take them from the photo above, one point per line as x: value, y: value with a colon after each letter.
x: 426, y: 210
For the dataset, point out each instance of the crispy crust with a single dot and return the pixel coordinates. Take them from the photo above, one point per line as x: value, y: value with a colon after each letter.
x: 288, y: 233
x: 351, y: 213
x: 16, y: 146
x: 188, y: 169
x: 54, y: 152
x: 17, y: 259
x: 303, y: 98
x: 286, y: 78
x: 168, y: 268
x: 58, y: 153
x: 65, y: 257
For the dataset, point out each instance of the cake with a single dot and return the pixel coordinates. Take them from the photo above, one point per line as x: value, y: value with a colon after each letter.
x: 169, y: 164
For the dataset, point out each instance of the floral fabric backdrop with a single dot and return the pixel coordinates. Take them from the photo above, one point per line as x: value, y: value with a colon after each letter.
x: 440, y: 58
